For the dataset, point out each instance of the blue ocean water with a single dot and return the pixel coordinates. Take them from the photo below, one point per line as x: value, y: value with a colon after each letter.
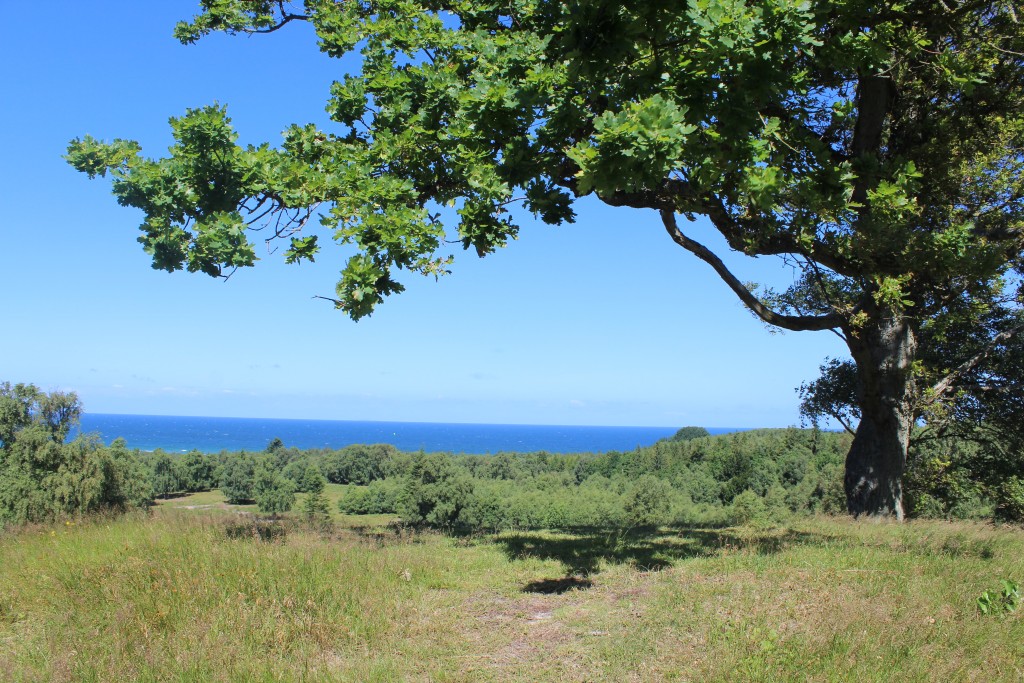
x: 213, y: 434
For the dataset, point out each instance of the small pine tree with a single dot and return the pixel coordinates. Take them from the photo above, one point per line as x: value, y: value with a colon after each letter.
x: 236, y: 478
x: 274, y: 494
x: 314, y: 507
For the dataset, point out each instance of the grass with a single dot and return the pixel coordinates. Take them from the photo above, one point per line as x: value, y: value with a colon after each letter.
x: 180, y: 596
x: 214, y: 501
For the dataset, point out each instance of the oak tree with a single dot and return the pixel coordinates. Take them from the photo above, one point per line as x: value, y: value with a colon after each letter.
x: 876, y: 148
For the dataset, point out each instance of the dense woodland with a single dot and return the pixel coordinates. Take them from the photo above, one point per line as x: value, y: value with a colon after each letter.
x: 693, y: 478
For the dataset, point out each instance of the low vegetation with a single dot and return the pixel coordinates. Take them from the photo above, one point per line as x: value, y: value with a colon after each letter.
x: 754, y: 477
x: 208, y: 594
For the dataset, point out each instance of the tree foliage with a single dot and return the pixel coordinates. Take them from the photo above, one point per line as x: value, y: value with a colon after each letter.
x: 358, y: 463
x: 273, y: 493
x: 314, y: 506
x: 238, y: 478
x: 649, y: 501
x: 671, y: 482
x: 44, y: 477
x: 687, y: 433
x: 435, y: 492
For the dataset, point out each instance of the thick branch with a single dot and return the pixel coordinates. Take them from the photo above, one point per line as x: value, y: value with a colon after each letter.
x: 943, y: 386
x: 778, y: 244
x: 682, y: 196
x: 796, y: 323
x: 673, y: 192
x: 285, y: 20
x: 874, y: 99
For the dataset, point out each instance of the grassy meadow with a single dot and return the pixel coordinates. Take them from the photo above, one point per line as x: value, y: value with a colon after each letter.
x: 193, y: 592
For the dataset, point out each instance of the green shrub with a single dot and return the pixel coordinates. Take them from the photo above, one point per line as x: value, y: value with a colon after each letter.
x: 314, y: 506
x: 486, y: 510
x: 435, y: 492
x: 237, y: 477
x: 1010, y: 500
x: 379, y: 498
x: 273, y: 493
x: 649, y: 501
x: 1000, y: 601
x: 748, y: 508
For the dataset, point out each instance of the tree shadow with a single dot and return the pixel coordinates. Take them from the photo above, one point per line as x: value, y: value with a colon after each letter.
x: 557, y: 586
x: 582, y: 552
x: 382, y: 535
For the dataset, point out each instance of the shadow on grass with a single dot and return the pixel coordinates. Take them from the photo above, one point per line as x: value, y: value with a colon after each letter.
x: 255, y: 529
x: 557, y: 586
x: 583, y: 552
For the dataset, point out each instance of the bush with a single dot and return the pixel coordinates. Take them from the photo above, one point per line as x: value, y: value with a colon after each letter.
x: 485, y: 510
x: 435, y: 492
x: 1010, y: 500
x: 314, y: 507
x: 378, y: 498
x: 775, y: 505
x: 748, y: 508
x: 273, y: 493
x: 237, y: 477
x: 648, y: 502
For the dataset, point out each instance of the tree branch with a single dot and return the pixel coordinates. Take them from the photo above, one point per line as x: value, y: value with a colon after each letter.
x: 844, y: 423
x: 780, y: 243
x: 940, y: 388
x: 874, y: 98
x: 286, y: 18
x: 797, y: 323
x: 281, y: 24
x: 337, y: 304
x: 683, y: 197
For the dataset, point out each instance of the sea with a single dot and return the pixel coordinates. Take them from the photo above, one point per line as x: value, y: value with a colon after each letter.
x: 214, y: 434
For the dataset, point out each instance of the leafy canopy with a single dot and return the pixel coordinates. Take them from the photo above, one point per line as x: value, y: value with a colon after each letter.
x: 875, y: 146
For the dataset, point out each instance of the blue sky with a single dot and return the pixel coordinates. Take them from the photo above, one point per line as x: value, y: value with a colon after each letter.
x: 604, y: 322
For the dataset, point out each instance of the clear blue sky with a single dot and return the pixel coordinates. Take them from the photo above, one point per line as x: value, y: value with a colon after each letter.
x: 604, y: 322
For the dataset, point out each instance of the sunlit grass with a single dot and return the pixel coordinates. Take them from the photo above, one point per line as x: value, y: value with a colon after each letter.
x: 178, y: 595
x: 214, y: 501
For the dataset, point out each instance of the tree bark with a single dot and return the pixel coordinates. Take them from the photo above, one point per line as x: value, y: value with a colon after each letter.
x: 884, y: 350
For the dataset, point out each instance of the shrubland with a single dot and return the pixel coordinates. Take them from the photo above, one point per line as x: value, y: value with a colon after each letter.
x: 758, y: 476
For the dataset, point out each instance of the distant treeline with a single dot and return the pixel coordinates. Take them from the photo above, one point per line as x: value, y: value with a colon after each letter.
x: 692, y: 478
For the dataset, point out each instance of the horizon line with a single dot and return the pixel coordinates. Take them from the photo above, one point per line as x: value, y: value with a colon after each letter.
x: 425, y: 422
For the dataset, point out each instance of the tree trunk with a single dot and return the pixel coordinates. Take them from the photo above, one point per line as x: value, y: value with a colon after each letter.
x: 884, y: 351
